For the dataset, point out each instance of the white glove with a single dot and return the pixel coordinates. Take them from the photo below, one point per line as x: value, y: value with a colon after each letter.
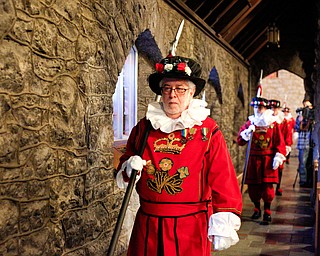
x: 278, y: 160
x: 288, y: 150
x: 251, y: 128
x: 295, y: 136
x: 246, y: 134
x: 136, y: 163
x: 222, y: 230
x: 221, y: 243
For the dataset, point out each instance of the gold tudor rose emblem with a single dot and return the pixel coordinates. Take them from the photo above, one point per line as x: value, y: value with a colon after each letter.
x: 161, y: 179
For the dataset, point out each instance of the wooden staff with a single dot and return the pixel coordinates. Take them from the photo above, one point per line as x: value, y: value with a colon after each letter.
x: 244, y: 174
x: 126, y: 198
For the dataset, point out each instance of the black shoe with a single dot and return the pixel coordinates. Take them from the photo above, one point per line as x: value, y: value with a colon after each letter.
x: 256, y: 215
x: 266, y: 219
x: 279, y: 192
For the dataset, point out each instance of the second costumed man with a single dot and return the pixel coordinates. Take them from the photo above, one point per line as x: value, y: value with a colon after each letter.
x: 267, y: 153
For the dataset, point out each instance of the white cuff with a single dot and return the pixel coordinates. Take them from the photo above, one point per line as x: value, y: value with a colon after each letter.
x: 279, y: 157
x: 222, y: 228
x: 278, y: 160
x: 119, y: 178
x: 120, y: 182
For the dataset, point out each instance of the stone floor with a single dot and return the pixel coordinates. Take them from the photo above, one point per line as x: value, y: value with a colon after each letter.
x: 291, y: 232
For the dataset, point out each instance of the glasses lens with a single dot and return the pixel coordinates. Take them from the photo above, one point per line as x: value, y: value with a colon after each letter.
x: 168, y: 90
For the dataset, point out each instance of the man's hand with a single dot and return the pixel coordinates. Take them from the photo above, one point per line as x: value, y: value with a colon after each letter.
x: 136, y: 163
x: 247, y: 133
x: 222, y: 231
x: 277, y: 160
x: 251, y: 128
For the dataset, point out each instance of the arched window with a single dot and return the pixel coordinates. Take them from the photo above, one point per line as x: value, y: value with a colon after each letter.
x: 125, y: 98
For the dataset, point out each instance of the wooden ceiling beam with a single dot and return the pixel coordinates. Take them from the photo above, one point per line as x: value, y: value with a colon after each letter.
x: 200, y: 5
x: 223, y: 13
x: 264, y: 14
x: 212, y: 10
x: 253, y: 39
x: 256, y: 22
x: 238, y: 23
x: 184, y: 10
x: 257, y: 49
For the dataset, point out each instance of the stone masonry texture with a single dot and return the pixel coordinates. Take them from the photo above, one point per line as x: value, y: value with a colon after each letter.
x: 59, y: 66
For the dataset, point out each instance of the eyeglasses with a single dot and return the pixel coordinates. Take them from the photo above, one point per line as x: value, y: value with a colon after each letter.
x: 168, y: 90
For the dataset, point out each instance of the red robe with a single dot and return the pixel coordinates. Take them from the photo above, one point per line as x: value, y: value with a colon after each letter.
x: 290, y: 123
x: 286, y: 132
x: 189, y: 175
x: 266, y: 142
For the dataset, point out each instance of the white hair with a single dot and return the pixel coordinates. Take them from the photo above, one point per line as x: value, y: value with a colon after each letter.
x: 191, y: 85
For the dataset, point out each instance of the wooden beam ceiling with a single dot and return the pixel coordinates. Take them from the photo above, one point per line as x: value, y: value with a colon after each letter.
x: 241, y: 24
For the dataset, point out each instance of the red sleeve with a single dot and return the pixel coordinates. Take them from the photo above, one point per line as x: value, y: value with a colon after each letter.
x: 226, y: 195
x: 278, y: 140
x: 287, y: 132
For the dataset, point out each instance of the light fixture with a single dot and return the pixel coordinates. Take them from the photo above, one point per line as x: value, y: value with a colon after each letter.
x: 273, y: 34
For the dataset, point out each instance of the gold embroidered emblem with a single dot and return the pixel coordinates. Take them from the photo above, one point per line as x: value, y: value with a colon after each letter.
x: 169, y: 145
x: 161, y: 179
x: 262, y: 142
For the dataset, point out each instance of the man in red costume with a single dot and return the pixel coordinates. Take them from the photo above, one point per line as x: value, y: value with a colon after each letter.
x: 286, y: 130
x: 188, y: 190
x: 267, y: 153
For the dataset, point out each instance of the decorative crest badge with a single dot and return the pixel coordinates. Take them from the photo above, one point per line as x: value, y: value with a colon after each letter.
x: 170, y: 145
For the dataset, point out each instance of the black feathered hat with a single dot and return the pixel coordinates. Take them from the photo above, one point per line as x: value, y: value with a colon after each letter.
x: 259, y: 101
x: 286, y: 109
x: 274, y: 103
x: 176, y: 67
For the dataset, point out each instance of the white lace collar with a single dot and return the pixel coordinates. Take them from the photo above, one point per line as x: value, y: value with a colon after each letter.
x: 265, y: 119
x: 288, y: 117
x: 279, y: 117
x: 193, y: 115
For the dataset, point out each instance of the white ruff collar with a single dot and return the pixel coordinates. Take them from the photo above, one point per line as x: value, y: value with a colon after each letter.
x: 288, y: 117
x: 279, y: 117
x: 193, y: 115
x: 265, y: 119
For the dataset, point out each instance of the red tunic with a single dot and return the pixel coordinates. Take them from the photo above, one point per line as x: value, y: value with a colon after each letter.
x: 287, y: 130
x: 189, y: 175
x: 290, y: 123
x: 266, y: 142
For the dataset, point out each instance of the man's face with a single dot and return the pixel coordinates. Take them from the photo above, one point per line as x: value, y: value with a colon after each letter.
x: 286, y: 112
x: 275, y: 110
x: 176, y: 96
x: 259, y: 110
x: 307, y: 104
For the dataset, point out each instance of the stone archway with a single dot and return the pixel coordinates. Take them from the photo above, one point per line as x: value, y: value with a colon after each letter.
x: 288, y: 88
x: 284, y: 86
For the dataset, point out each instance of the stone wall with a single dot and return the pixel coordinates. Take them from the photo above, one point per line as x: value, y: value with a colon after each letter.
x: 60, y: 62
x: 286, y: 87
